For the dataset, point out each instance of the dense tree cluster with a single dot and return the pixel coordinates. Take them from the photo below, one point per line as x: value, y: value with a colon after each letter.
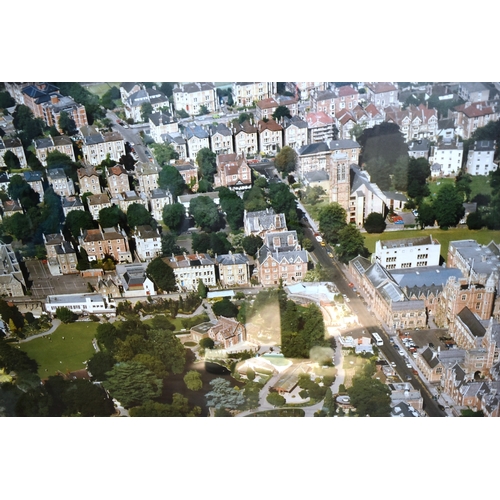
x: 370, y: 397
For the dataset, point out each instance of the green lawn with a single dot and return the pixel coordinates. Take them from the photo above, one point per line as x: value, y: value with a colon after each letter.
x: 101, y: 88
x: 480, y: 184
x: 483, y: 236
x: 313, y: 210
x: 53, y: 353
x: 178, y: 321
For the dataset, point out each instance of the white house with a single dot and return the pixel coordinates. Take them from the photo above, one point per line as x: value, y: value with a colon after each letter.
x: 480, y: 158
x: 409, y: 252
x: 88, y: 303
x: 449, y: 155
x: 148, y: 242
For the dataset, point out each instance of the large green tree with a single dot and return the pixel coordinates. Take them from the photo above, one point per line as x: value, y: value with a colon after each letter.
x: 206, y: 160
x: 139, y: 215
x: 20, y: 190
x: 78, y: 220
x: 281, y: 198
x: 132, y: 384
x: 173, y: 216
x: 370, y: 397
x: 225, y: 308
x: 171, y: 179
x: 251, y: 244
x: 67, y: 124
x: 254, y: 199
x: 162, y: 275
x: 193, y: 381
x: 286, y: 160
x: 101, y: 363
x: 178, y: 408
x: 281, y: 112
x: 351, y: 244
x: 112, y: 216
x: 332, y: 218
x: 448, y: 206
x: 163, y: 153
x: 11, y: 161
x: 204, y: 212
x: 375, y: 223
x: 233, y: 206
x: 224, y: 396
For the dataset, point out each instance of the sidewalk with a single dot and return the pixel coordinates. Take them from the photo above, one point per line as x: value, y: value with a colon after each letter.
x: 55, y: 324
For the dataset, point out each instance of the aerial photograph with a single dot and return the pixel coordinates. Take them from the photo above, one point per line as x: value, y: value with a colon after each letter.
x: 250, y: 249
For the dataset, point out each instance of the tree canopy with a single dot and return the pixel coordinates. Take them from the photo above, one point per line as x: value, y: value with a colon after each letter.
x: 332, y: 218
x: 173, y: 216
x: 132, y: 384
x: 139, y: 215
x: 448, y: 206
x: 171, y: 179
x: 162, y: 275
x: 375, y: 223
x: 204, y: 212
x: 286, y: 160
x: 351, y: 244
x: 206, y: 160
x: 225, y: 308
x: 281, y: 112
x: 163, y: 153
x: 224, y: 396
x: 370, y: 397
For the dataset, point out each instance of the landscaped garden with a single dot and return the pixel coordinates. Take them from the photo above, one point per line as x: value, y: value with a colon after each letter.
x: 65, y: 350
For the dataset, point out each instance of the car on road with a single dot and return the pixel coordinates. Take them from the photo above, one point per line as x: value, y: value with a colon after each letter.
x: 330, y: 254
x: 351, y: 285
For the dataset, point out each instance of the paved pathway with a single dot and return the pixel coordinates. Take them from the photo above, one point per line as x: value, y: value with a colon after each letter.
x: 55, y: 324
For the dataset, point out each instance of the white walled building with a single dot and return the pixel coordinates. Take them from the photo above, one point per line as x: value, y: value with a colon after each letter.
x: 189, y: 269
x: 480, y: 158
x: 408, y: 252
x: 148, y: 243
x: 449, y: 155
x: 90, y: 303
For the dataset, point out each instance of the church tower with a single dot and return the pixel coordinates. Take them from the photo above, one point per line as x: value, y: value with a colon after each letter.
x: 340, y: 181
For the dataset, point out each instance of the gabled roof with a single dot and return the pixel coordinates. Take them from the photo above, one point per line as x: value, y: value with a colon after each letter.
x: 269, y: 125
x: 232, y: 258
x: 267, y: 103
x: 346, y: 90
x: 470, y: 320
x: 146, y: 232
x: 340, y: 144
x: 430, y: 357
x: 116, y: 170
x: 196, y: 131
x: 314, y: 148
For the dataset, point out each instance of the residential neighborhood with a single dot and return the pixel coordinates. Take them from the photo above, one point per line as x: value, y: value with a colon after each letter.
x: 240, y: 249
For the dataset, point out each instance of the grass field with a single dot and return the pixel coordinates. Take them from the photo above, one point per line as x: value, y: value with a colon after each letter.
x: 55, y: 354
x: 178, y: 321
x: 483, y: 236
x: 101, y: 88
x: 480, y: 184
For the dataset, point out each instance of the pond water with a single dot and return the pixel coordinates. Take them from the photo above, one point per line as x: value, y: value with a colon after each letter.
x: 208, y: 371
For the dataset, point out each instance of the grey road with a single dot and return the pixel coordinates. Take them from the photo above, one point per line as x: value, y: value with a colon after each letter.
x: 370, y: 324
